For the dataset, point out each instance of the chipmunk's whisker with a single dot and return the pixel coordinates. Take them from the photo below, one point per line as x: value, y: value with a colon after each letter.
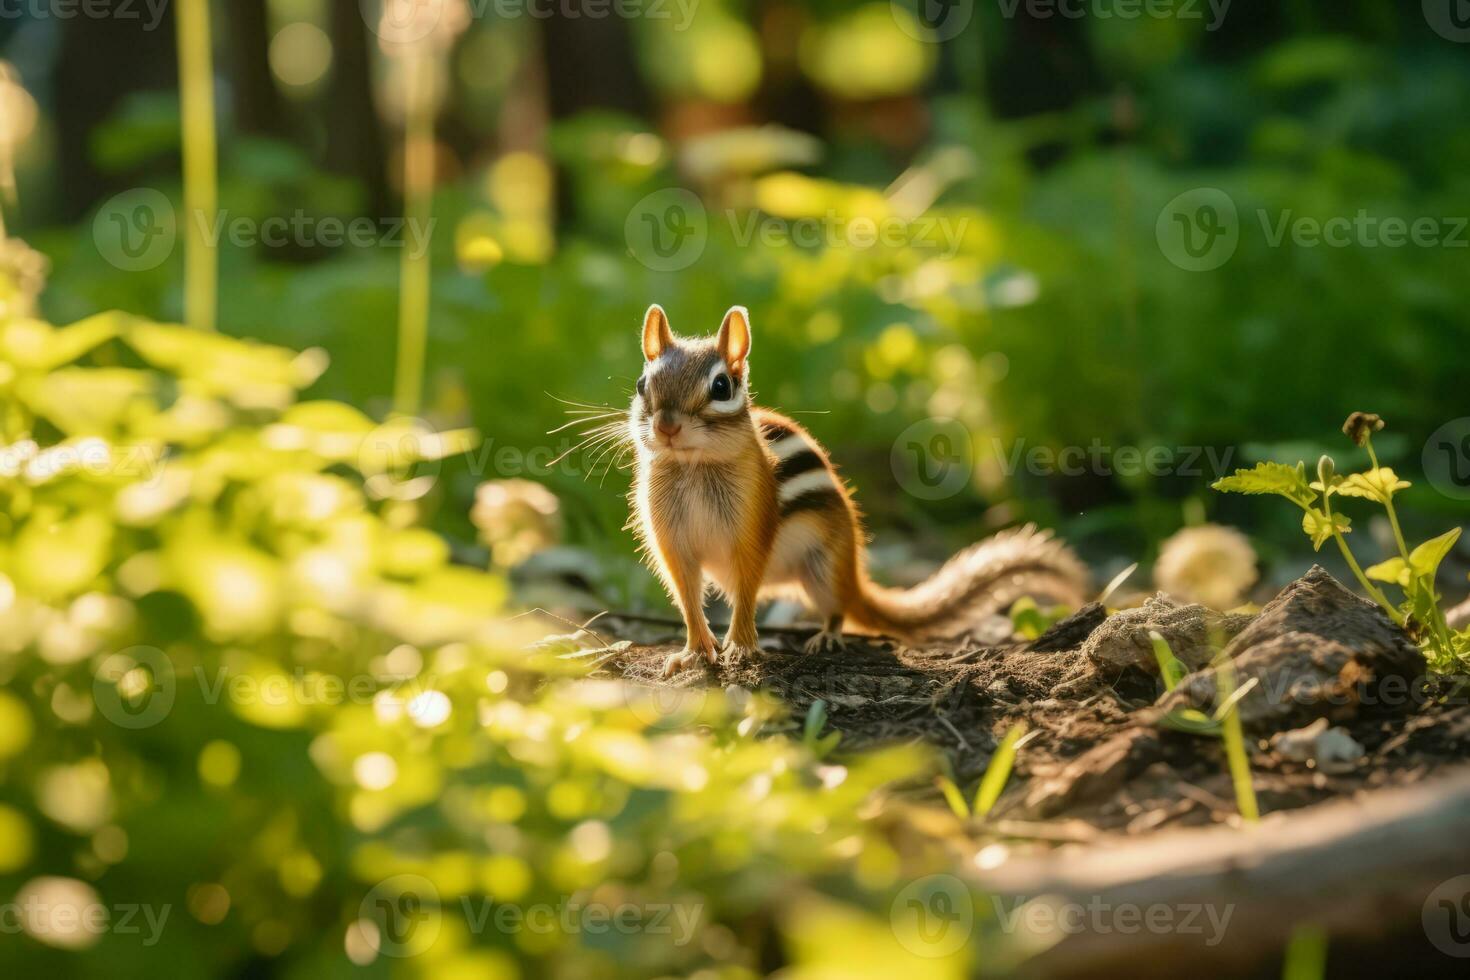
x: 580, y: 421
x: 595, y: 438
x: 566, y: 401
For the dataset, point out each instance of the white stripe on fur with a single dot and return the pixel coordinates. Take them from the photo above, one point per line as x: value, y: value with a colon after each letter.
x: 810, y: 480
x: 788, y: 447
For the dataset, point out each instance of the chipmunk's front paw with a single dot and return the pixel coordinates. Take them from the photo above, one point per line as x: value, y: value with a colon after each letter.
x: 825, y: 641
x: 691, y: 655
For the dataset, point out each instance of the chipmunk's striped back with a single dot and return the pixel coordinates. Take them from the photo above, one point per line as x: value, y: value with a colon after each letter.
x: 805, y: 479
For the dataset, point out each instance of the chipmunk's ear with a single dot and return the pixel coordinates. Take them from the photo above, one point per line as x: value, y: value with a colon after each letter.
x: 657, y: 337
x: 733, y: 341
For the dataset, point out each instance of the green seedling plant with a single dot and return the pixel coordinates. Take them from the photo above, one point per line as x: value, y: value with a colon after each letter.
x: 993, y: 782
x: 1223, y: 723
x: 1412, y: 570
x: 1030, y: 620
x: 819, y: 745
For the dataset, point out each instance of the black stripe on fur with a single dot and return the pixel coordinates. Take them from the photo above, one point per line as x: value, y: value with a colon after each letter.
x: 797, y: 464
x: 820, y: 498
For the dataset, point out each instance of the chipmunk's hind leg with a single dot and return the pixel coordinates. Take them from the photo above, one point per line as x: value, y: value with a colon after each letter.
x: 818, y: 579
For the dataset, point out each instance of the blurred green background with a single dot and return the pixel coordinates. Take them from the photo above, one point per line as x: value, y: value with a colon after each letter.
x: 1048, y: 144
x: 1031, y: 156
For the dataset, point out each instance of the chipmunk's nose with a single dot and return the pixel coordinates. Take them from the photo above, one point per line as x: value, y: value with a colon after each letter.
x: 667, y: 427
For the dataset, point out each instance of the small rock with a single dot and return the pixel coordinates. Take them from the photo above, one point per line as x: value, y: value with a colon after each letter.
x: 1316, y: 651
x: 1330, y: 749
x: 1192, y: 631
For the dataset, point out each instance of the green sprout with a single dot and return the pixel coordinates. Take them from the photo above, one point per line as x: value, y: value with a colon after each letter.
x: 1224, y: 722
x: 993, y: 782
x: 820, y: 745
x: 1412, y: 570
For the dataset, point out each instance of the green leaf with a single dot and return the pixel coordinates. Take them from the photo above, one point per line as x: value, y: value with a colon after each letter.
x: 999, y: 770
x: 1426, y: 558
x: 1379, y: 484
x: 953, y: 797
x: 1278, y: 478
x: 1393, y: 570
x: 1320, y: 526
x: 1171, y: 668
x: 816, y: 720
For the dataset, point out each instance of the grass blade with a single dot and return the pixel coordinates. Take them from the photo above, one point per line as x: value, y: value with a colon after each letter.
x: 999, y: 770
x: 1228, y: 714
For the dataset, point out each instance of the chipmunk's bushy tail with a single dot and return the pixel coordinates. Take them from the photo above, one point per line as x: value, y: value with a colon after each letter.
x: 984, y: 579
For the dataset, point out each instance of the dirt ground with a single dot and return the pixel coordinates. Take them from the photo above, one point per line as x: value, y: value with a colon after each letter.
x: 1099, y: 758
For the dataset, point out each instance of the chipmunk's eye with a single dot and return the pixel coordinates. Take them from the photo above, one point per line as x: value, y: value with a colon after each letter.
x: 719, y: 389
x: 642, y: 386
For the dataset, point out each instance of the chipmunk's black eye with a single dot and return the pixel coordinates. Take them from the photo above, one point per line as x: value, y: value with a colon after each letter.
x: 720, y: 388
x: 642, y: 386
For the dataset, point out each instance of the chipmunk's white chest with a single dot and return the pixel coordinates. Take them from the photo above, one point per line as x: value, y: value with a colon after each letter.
x: 695, y: 511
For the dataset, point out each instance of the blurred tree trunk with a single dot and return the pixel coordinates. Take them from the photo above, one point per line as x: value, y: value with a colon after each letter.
x: 257, y: 101
x: 355, y: 144
x: 589, y: 65
x: 101, y: 62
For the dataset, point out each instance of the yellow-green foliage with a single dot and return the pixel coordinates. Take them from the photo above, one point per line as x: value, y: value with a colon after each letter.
x: 238, y: 682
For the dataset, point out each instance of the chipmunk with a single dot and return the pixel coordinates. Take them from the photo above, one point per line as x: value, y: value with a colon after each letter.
x: 745, y: 497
